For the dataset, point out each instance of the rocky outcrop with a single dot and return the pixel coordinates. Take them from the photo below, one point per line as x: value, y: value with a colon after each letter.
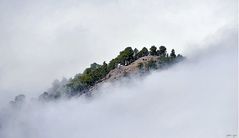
x: 140, y: 65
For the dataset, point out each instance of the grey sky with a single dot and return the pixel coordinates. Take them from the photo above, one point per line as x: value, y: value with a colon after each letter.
x: 48, y: 39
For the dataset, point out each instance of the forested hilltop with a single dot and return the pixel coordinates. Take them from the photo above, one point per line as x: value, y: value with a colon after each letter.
x: 129, y: 61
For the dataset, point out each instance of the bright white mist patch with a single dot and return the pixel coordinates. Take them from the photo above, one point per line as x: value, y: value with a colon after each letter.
x: 196, y: 99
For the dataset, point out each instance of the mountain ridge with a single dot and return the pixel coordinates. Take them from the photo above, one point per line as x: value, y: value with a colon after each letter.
x: 129, y: 62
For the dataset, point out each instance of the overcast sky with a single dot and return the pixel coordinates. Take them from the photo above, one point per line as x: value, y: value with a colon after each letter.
x: 43, y: 40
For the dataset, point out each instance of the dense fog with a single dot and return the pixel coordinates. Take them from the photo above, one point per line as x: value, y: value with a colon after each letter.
x: 195, y: 98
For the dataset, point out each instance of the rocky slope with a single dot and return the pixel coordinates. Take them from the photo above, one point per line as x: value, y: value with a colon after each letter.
x: 139, y: 66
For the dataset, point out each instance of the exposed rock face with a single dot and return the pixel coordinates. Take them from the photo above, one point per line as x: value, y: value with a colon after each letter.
x: 132, y: 68
x: 138, y: 66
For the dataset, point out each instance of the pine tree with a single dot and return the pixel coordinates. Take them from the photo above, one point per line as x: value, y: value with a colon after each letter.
x: 162, y: 51
x: 136, y: 51
x: 143, y: 52
x: 153, y: 51
x: 172, y: 54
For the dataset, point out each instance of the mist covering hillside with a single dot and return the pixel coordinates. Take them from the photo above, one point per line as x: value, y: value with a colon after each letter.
x: 50, y: 89
x: 195, y: 98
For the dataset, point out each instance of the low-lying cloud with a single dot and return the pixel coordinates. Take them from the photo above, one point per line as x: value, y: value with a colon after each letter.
x: 196, y: 98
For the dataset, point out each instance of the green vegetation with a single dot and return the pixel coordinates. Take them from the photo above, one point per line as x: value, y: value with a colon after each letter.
x: 96, y: 72
x: 162, y: 51
x: 151, y: 65
x: 172, y: 54
x: 153, y: 51
x: 142, y: 53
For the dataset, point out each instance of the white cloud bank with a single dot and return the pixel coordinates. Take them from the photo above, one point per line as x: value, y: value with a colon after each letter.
x: 197, y: 98
x: 49, y: 39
